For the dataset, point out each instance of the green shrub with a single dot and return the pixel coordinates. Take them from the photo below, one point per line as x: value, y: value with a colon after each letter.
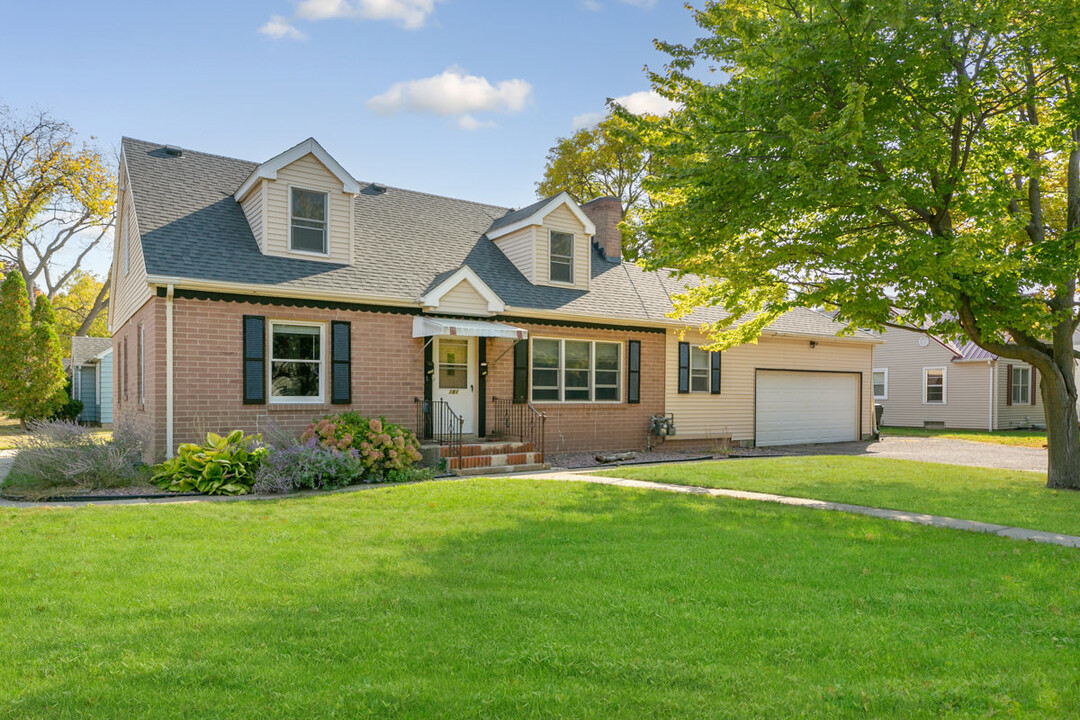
x: 384, y: 449
x: 223, y: 466
x: 71, y: 408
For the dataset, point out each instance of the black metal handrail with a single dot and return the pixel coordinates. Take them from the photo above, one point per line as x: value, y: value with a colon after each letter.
x: 520, y: 421
x: 437, y: 422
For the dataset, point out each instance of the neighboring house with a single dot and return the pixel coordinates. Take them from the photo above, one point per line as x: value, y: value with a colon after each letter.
x: 92, y: 378
x: 254, y: 293
x: 924, y: 381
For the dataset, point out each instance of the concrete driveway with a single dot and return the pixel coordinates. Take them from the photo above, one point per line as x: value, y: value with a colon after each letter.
x: 939, y: 450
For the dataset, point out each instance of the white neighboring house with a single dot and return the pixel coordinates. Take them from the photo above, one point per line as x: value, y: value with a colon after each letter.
x: 925, y: 381
x: 92, y: 378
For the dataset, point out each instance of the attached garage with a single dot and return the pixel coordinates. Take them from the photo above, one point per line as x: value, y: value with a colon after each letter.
x: 793, y: 407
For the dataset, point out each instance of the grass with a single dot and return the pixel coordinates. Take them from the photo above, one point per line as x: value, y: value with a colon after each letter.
x: 1018, y: 438
x: 515, y: 598
x: 1006, y: 497
x: 10, y: 432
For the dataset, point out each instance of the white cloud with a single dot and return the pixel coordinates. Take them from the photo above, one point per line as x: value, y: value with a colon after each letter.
x: 468, y: 122
x: 593, y: 5
x: 647, y: 102
x: 453, y: 93
x: 585, y: 120
x: 644, y: 102
x: 640, y: 3
x: 278, y: 27
x: 410, y: 13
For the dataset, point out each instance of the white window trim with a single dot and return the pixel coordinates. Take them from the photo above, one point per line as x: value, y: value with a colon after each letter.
x: 1026, y: 385
x: 944, y: 386
x: 592, y: 372
x: 708, y: 372
x: 573, y: 252
x: 326, y: 229
x: 885, y: 371
x: 289, y: 400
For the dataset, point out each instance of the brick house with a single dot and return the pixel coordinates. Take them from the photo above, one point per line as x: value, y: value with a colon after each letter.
x: 245, y: 293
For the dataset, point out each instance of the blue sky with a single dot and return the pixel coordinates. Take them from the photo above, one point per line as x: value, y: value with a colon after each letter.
x: 455, y: 97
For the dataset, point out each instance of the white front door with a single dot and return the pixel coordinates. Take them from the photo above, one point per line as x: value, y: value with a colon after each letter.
x: 455, y: 377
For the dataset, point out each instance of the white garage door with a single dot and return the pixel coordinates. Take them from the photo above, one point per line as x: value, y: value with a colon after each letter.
x: 806, y: 407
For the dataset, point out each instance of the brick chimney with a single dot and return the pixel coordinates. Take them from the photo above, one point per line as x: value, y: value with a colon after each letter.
x: 606, y: 214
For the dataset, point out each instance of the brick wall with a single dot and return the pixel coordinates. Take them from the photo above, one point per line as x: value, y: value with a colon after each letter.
x: 387, y: 373
x: 588, y: 426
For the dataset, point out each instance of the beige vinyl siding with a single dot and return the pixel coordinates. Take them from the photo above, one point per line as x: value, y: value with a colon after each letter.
x: 520, y: 248
x: 253, y: 210
x: 310, y: 174
x: 463, y: 300
x: 561, y: 219
x: 1013, y: 416
x: 967, y: 384
x: 129, y: 291
x: 731, y: 413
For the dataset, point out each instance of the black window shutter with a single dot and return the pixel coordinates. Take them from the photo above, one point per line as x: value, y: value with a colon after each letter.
x: 714, y: 373
x: 684, y: 367
x: 340, y: 362
x: 254, y: 360
x: 633, y: 372
x: 521, y: 371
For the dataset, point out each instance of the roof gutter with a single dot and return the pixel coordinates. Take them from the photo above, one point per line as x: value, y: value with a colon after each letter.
x: 273, y: 291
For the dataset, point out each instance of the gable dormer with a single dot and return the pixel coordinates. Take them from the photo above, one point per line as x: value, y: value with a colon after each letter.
x: 299, y: 204
x: 550, y: 242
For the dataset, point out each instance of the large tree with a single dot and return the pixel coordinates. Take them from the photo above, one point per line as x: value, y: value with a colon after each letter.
x: 81, y: 308
x: 56, y: 202
x: 880, y: 157
x: 602, y: 160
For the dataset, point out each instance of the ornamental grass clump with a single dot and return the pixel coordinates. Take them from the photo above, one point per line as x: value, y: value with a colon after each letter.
x: 60, y: 458
x: 386, y: 451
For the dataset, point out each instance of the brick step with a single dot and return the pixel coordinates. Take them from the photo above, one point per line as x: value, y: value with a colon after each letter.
x: 490, y: 448
x: 504, y: 469
x: 491, y: 461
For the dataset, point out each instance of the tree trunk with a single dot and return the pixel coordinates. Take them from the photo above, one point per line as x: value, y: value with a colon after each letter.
x: 1062, y: 431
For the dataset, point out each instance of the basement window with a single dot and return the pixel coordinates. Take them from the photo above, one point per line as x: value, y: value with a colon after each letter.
x: 307, y: 227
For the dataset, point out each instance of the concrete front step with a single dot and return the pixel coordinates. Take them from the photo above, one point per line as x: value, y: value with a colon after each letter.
x: 503, y: 469
x: 490, y: 448
x: 492, y: 461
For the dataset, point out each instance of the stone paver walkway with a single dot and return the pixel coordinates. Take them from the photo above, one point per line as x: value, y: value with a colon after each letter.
x: 896, y: 515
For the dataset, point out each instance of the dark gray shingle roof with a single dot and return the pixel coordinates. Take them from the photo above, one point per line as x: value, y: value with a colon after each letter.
x: 84, y: 348
x: 191, y: 227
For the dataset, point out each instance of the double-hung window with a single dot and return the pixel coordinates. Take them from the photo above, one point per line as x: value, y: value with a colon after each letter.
x: 934, y: 386
x: 1021, y: 385
x: 881, y: 384
x: 576, y: 371
x: 296, y: 362
x: 307, y: 221
x: 699, y: 370
x: 561, y: 257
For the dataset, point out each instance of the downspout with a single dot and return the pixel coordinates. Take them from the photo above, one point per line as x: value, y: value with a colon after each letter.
x: 990, y: 401
x: 169, y: 371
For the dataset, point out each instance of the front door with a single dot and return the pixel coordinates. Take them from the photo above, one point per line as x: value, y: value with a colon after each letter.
x: 455, y: 377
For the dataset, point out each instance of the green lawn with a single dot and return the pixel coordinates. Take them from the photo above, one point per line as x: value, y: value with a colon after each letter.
x: 514, y: 598
x: 1021, y: 438
x: 1006, y: 497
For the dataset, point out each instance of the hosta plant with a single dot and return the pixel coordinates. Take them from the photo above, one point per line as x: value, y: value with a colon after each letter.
x: 223, y: 466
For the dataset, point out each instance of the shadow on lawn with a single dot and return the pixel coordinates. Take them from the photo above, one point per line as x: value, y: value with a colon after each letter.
x: 512, y: 598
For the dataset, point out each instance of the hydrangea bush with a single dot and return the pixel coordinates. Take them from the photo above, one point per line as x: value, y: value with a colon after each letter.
x: 385, y: 450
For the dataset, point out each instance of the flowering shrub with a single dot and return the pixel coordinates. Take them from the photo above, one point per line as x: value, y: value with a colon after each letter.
x: 385, y: 450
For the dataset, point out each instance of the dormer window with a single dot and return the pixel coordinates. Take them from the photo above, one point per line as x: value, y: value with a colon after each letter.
x: 307, y: 221
x: 561, y: 257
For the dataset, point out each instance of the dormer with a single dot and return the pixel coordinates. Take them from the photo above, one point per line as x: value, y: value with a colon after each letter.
x: 550, y: 242
x: 299, y: 204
